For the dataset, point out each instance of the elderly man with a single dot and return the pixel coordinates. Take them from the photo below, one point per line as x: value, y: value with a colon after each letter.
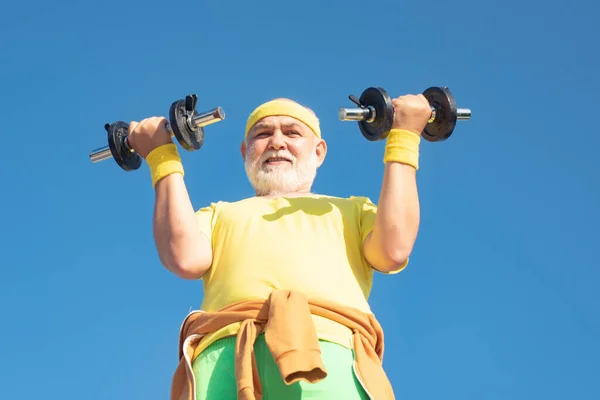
x: 286, y: 238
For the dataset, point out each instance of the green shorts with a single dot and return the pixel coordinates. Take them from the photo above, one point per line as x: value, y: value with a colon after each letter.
x: 214, y: 370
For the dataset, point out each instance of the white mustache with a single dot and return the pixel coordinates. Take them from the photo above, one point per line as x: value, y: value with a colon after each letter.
x: 282, y: 154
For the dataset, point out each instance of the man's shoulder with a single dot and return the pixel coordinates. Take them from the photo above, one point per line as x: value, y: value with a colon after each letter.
x: 354, y: 199
x: 346, y: 204
x: 351, y: 197
x: 351, y: 200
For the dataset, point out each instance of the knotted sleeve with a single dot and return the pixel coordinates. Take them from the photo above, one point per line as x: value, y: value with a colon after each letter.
x: 291, y: 337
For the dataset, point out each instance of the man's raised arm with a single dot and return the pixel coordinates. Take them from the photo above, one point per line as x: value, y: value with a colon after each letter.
x: 394, y: 233
x: 182, y: 248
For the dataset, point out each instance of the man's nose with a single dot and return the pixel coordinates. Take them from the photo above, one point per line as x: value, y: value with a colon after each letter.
x: 277, y: 141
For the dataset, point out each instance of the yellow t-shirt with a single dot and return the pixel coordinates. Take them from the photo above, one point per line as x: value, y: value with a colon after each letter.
x: 309, y: 244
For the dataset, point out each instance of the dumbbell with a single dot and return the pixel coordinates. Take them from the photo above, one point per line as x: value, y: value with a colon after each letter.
x: 375, y: 113
x: 185, y: 123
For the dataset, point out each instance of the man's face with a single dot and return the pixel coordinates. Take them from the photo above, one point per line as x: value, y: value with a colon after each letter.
x: 282, y: 155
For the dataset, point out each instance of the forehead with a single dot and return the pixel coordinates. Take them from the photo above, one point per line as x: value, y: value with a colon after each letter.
x: 279, y: 121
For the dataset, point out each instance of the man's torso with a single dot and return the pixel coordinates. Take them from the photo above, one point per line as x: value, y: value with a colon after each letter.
x: 309, y: 244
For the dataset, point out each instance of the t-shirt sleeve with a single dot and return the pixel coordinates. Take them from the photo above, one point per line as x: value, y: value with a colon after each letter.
x: 368, y: 212
x: 205, y: 217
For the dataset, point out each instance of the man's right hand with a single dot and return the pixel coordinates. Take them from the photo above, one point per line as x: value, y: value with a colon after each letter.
x: 148, y: 134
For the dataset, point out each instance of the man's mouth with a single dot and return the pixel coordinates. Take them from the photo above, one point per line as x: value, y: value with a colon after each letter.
x: 277, y: 160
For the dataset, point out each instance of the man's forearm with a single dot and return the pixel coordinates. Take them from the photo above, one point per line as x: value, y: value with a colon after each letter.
x: 397, y: 221
x: 182, y: 248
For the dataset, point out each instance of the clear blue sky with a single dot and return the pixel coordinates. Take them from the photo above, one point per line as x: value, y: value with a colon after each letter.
x: 501, y: 297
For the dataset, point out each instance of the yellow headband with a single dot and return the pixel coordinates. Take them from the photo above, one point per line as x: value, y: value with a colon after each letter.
x: 284, y: 107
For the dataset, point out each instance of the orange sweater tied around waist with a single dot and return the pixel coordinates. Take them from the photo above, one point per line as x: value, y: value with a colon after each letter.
x: 290, y: 334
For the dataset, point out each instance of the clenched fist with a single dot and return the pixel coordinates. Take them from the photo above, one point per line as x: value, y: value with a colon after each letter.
x: 148, y: 134
x: 411, y: 112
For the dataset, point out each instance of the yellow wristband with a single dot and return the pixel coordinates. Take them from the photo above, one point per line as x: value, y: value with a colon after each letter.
x: 402, y: 146
x: 163, y: 161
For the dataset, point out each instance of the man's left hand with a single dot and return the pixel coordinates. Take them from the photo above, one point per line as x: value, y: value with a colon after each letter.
x: 411, y: 112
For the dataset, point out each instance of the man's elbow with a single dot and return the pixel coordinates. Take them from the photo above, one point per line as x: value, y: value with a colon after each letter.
x: 187, y: 259
x: 392, y: 261
x: 399, y: 257
x: 187, y: 265
x: 188, y: 274
x: 387, y: 257
x: 190, y: 268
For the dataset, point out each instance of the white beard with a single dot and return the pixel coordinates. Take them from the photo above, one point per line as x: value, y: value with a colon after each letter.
x: 280, y: 178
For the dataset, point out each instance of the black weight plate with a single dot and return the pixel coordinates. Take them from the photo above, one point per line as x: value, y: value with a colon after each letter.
x: 384, y: 114
x: 445, y: 120
x: 127, y: 160
x: 189, y: 139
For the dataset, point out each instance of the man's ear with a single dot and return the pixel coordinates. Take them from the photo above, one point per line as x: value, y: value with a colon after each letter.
x: 321, y: 150
x: 243, y: 150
